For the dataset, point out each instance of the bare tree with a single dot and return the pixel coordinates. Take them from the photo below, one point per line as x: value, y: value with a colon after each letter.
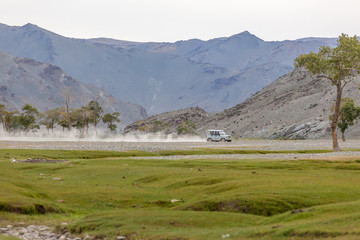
x: 68, y: 97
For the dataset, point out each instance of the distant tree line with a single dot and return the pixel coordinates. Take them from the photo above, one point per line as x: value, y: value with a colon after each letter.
x: 30, y: 119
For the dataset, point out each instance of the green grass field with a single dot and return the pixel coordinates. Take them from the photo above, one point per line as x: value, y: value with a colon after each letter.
x: 107, y: 194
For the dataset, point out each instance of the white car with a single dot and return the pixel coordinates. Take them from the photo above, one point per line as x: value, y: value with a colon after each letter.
x: 217, y: 136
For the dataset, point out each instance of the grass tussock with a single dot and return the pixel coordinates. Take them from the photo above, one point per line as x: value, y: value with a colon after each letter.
x: 28, y: 209
x: 260, y: 207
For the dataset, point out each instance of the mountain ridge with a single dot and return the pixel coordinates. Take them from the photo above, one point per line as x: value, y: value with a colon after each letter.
x: 214, y: 74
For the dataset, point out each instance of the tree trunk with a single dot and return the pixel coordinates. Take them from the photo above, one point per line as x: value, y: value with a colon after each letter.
x: 343, y: 136
x: 335, y: 118
x: 95, y: 126
x: 68, y: 116
x: 86, y: 127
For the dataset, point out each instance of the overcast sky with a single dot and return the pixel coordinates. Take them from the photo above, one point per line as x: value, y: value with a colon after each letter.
x: 172, y: 20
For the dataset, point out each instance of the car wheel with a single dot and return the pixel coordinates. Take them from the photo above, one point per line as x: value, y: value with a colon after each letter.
x: 222, y: 140
x: 209, y: 140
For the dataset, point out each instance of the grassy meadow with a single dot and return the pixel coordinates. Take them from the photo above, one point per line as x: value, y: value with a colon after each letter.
x: 108, y: 194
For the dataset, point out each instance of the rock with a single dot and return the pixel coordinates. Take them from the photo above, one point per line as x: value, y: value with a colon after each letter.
x: 225, y: 235
x: 43, y: 228
x: 120, y: 237
x: 32, y: 232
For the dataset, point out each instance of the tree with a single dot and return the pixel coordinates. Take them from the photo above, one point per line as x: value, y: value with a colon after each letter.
x: 86, y: 117
x: 109, y: 119
x: 11, y: 120
x: 27, y: 118
x: 68, y: 96
x: 63, y: 120
x: 348, y: 114
x: 339, y: 65
x: 97, y: 112
x: 50, y: 118
x: 78, y: 121
x: 2, y: 114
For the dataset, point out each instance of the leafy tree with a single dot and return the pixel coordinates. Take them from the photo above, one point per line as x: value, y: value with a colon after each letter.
x: 2, y: 114
x: 27, y: 118
x: 63, y: 120
x: 77, y: 120
x: 50, y: 118
x: 110, y: 119
x: 339, y: 65
x: 97, y: 112
x: 11, y: 120
x: 186, y: 127
x: 348, y: 114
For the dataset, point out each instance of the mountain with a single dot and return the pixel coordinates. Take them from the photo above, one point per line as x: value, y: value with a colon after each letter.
x: 24, y: 80
x: 213, y: 75
x: 295, y: 106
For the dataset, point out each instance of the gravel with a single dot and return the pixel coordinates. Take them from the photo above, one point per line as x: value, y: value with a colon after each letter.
x: 33, y: 232
x: 262, y: 156
x: 238, y: 144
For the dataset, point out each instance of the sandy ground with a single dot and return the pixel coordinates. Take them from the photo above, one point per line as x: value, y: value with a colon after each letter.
x: 238, y: 144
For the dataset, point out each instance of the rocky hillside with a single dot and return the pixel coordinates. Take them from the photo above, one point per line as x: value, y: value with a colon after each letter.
x: 295, y: 106
x: 213, y: 75
x: 24, y: 80
x: 169, y: 121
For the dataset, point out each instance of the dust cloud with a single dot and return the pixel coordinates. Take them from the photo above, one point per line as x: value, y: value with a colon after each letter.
x: 102, y: 136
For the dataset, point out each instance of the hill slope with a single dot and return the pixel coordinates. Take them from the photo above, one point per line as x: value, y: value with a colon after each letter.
x: 297, y: 105
x: 24, y: 80
x: 213, y: 75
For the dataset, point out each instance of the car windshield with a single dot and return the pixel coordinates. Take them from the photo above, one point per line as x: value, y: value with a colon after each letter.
x: 222, y: 133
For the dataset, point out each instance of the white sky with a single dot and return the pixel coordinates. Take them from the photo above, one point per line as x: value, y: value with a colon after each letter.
x: 172, y: 20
